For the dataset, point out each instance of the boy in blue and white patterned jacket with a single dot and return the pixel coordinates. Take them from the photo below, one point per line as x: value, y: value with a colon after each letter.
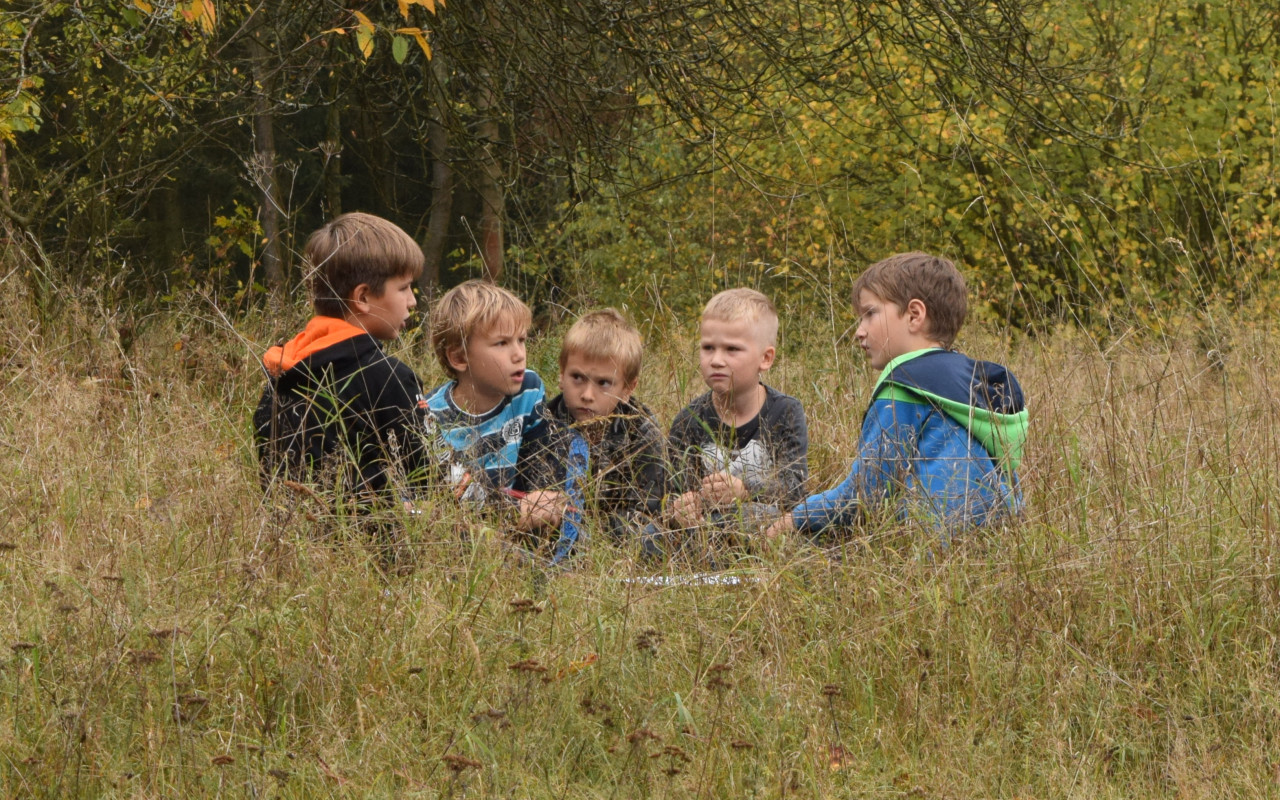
x: 943, y: 436
x: 487, y: 419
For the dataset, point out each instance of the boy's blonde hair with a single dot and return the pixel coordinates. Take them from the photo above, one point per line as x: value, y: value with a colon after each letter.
x: 470, y: 307
x: 353, y: 249
x: 933, y: 280
x: 733, y: 305
x: 605, y: 334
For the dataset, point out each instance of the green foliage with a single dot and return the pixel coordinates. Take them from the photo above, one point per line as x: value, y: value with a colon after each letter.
x: 1146, y: 186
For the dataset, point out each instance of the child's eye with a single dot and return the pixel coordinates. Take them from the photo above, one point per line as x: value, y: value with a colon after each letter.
x: 606, y: 384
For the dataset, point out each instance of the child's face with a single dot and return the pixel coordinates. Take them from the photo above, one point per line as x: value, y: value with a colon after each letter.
x: 732, y: 356
x: 885, y: 329
x: 492, y: 365
x: 593, y: 387
x: 387, y: 313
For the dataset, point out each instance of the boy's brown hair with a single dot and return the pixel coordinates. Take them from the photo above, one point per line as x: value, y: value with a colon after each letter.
x: 353, y: 249
x: 469, y: 307
x: 933, y: 280
x: 605, y: 334
x: 733, y: 305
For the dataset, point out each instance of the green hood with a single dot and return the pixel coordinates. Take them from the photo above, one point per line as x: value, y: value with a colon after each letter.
x: 982, y: 397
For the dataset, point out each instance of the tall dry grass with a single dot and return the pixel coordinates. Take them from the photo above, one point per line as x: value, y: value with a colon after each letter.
x: 168, y: 631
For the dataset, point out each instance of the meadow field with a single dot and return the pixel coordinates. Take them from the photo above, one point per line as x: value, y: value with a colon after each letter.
x: 168, y: 631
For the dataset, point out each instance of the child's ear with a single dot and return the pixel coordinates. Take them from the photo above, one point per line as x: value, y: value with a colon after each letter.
x: 628, y: 389
x: 917, y: 315
x: 766, y: 358
x: 359, y: 298
x: 457, y: 358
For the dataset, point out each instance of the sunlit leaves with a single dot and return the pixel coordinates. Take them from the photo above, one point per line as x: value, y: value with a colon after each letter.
x: 22, y: 113
x: 420, y: 37
x: 364, y: 34
x: 197, y: 12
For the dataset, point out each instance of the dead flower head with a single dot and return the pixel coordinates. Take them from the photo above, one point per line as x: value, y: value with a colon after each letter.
x: 523, y: 605
x: 647, y: 641
x: 458, y: 763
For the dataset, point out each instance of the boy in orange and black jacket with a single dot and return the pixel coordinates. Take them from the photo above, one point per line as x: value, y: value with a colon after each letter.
x: 337, y: 411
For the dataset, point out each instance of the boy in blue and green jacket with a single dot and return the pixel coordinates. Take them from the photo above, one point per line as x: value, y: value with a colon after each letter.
x: 943, y: 437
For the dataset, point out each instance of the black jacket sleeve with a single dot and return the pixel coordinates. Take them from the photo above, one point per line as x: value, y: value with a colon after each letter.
x: 683, y: 447
x: 787, y: 437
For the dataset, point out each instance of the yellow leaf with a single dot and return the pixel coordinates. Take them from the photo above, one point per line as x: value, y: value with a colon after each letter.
x: 365, y: 22
x: 143, y: 6
x: 341, y: 31
x: 430, y: 5
x: 364, y: 40
x: 404, y: 8
x: 422, y: 42
x: 209, y: 17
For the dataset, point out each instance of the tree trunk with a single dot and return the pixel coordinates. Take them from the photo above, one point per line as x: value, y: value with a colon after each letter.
x: 441, y: 187
x: 490, y: 184
x: 264, y: 157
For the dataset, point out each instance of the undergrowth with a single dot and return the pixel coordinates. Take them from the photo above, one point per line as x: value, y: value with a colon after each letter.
x: 169, y: 631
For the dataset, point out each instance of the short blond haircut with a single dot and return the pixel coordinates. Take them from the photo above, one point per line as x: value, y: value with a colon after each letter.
x: 733, y: 305
x: 605, y: 335
x: 469, y: 308
x: 353, y: 249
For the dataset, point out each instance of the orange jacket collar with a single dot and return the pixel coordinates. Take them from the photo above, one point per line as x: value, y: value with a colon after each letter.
x: 321, y: 332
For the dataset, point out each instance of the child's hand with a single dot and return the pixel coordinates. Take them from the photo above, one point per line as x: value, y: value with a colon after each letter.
x: 784, y: 524
x: 687, y: 509
x: 542, y: 509
x: 721, y: 489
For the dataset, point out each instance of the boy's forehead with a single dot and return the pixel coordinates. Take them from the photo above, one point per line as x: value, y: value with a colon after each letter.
x: 867, y: 298
x: 503, y: 325
x: 741, y: 328
x: 595, y: 365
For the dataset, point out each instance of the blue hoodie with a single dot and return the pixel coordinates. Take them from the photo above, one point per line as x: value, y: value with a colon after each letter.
x: 941, y: 441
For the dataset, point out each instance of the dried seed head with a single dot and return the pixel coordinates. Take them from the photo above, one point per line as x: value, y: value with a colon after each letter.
x: 458, y: 763
x: 18, y: 647
x: 524, y: 606
x: 167, y: 633
x: 223, y: 760
x: 7, y: 546
x: 676, y: 753
x: 647, y: 641
x: 281, y: 775
x: 831, y: 690
x: 143, y: 657
x: 741, y: 744
x: 640, y: 735
x: 528, y: 665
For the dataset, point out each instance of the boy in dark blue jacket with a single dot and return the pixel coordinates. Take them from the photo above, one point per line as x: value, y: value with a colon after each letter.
x: 943, y: 437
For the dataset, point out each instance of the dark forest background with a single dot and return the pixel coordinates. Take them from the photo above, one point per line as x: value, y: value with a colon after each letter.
x: 1084, y: 161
